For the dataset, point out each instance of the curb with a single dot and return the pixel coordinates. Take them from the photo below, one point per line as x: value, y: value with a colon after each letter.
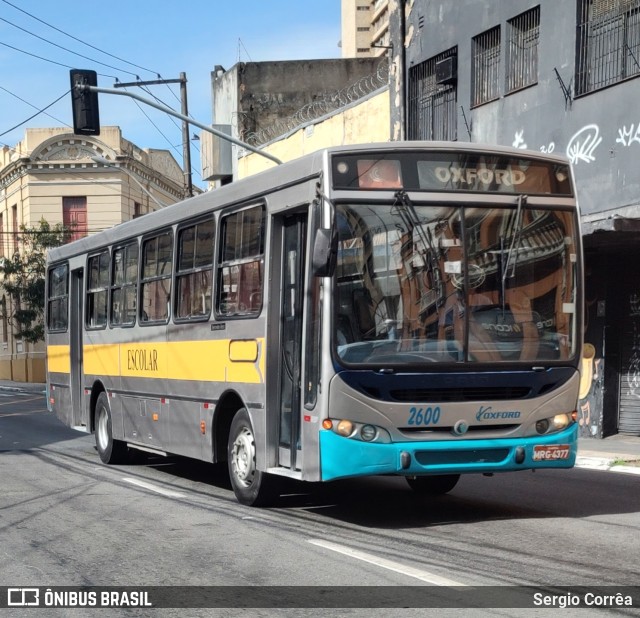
x: 604, y: 463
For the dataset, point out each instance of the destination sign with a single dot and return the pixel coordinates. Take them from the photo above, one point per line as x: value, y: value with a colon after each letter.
x: 451, y: 171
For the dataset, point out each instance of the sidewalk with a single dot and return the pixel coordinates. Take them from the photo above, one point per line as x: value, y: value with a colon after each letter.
x: 601, y: 454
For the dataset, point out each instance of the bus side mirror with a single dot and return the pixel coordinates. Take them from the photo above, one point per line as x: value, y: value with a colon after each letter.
x: 325, y: 250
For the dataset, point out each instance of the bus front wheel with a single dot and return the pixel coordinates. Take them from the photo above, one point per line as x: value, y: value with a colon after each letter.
x: 251, y: 486
x: 111, y: 451
x: 436, y: 485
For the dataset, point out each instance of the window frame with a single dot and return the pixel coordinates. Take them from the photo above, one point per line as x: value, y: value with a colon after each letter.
x: 223, y: 262
x: 93, y: 292
x: 113, y: 286
x: 523, y: 28
x: 485, y: 77
x: 61, y: 297
x: 143, y: 280
x: 194, y: 269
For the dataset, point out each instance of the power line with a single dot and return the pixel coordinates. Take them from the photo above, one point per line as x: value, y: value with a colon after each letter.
x: 79, y: 40
x: 13, y: 94
x: 37, y: 36
x: 64, y: 94
x: 60, y: 64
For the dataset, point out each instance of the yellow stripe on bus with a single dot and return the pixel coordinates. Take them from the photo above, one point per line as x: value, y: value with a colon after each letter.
x: 58, y: 359
x: 207, y: 361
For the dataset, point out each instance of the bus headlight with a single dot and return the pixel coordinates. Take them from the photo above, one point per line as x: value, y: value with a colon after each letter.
x: 345, y: 428
x: 554, y: 423
x: 364, y: 432
x: 368, y: 433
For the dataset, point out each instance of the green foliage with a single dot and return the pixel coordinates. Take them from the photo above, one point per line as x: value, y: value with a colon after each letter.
x: 22, y: 277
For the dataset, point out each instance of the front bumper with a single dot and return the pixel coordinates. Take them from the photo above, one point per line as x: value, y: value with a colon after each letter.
x: 345, y: 457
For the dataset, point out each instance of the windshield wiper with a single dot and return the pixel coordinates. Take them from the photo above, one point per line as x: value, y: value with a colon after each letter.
x: 516, y: 232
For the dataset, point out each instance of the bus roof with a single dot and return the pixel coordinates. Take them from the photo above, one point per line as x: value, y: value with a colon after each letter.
x: 269, y: 181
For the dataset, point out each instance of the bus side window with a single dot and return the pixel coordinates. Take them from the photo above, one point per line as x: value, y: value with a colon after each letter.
x: 194, y: 274
x: 57, y: 298
x: 155, y: 283
x: 97, y: 286
x: 241, y: 263
x: 124, y: 285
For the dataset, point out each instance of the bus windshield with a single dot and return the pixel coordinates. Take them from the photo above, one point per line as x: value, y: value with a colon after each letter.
x: 420, y: 284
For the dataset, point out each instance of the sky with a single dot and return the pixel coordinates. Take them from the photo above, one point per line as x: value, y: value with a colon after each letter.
x: 123, y: 40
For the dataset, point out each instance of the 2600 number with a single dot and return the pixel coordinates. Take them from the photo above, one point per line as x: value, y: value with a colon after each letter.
x: 424, y: 416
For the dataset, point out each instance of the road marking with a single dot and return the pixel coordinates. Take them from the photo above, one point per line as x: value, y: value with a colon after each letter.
x: 424, y: 576
x: 150, y: 487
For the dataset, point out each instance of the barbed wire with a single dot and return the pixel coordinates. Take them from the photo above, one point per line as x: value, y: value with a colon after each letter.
x: 328, y: 103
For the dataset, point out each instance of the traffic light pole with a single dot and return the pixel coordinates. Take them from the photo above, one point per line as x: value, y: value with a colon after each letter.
x: 163, y: 108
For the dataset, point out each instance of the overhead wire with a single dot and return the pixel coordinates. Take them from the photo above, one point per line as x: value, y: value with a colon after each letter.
x: 80, y: 40
x: 37, y: 36
x: 64, y: 94
x: 13, y: 94
x: 115, y: 78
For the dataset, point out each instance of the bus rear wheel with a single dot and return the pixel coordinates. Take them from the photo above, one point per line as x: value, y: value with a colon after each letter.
x: 111, y: 451
x: 251, y: 486
x: 436, y: 485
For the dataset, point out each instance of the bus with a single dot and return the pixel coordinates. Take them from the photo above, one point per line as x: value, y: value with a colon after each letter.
x: 404, y: 308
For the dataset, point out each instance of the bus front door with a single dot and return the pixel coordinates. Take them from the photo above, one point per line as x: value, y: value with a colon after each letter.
x: 291, y: 311
x: 76, y: 414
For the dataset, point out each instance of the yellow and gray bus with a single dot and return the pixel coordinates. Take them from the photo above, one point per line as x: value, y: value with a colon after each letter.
x: 408, y: 308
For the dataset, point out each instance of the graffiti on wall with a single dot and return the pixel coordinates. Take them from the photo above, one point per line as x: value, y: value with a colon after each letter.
x: 591, y: 389
x: 629, y: 136
x: 583, y: 143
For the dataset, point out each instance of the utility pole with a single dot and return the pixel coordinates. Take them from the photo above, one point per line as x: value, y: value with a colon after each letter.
x: 186, y: 144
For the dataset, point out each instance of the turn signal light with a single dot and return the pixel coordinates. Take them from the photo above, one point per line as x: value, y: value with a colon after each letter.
x: 327, y: 423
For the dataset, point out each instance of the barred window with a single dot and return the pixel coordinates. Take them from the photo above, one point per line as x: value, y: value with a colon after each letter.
x: 522, y: 49
x: 97, y: 289
x: 485, y: 76
x: 432, y: 99
x: 608, y: 43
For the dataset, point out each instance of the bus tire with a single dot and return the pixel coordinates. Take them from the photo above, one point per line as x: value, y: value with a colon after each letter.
x: 435, y: 485
x: 251, y: 486
x: 111, y: 451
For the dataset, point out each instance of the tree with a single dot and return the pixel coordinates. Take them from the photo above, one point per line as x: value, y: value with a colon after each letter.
x: 23, y: 276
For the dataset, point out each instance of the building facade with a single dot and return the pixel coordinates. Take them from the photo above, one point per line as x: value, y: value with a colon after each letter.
x: 87, y: 183
x: 365, y: 28
x: 552, y: 77
x: 259, y: 102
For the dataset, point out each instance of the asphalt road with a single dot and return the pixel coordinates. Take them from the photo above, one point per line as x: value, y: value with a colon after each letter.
x: 68, y: 520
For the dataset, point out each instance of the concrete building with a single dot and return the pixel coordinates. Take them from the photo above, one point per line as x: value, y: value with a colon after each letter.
x: 91, y: 183
x: 259, y: 102
x: 558, y: 77
x: 365, y: 28
x: 364, y: 120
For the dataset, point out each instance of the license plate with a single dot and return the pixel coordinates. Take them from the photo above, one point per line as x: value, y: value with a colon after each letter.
x: 551, y: 452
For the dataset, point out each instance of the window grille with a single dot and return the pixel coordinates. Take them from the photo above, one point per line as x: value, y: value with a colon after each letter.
x: 486, y: 67
x: 432, y: 105
x: 522, y: 50
x: 608, y: 43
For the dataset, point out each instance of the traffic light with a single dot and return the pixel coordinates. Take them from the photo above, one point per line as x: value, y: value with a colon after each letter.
x: 86, y: 117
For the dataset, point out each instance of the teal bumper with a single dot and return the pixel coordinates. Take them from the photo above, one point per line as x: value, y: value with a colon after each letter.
x: 345, y: 457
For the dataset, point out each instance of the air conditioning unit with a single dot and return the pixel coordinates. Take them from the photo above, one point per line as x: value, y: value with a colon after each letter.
x: 447, y: 70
